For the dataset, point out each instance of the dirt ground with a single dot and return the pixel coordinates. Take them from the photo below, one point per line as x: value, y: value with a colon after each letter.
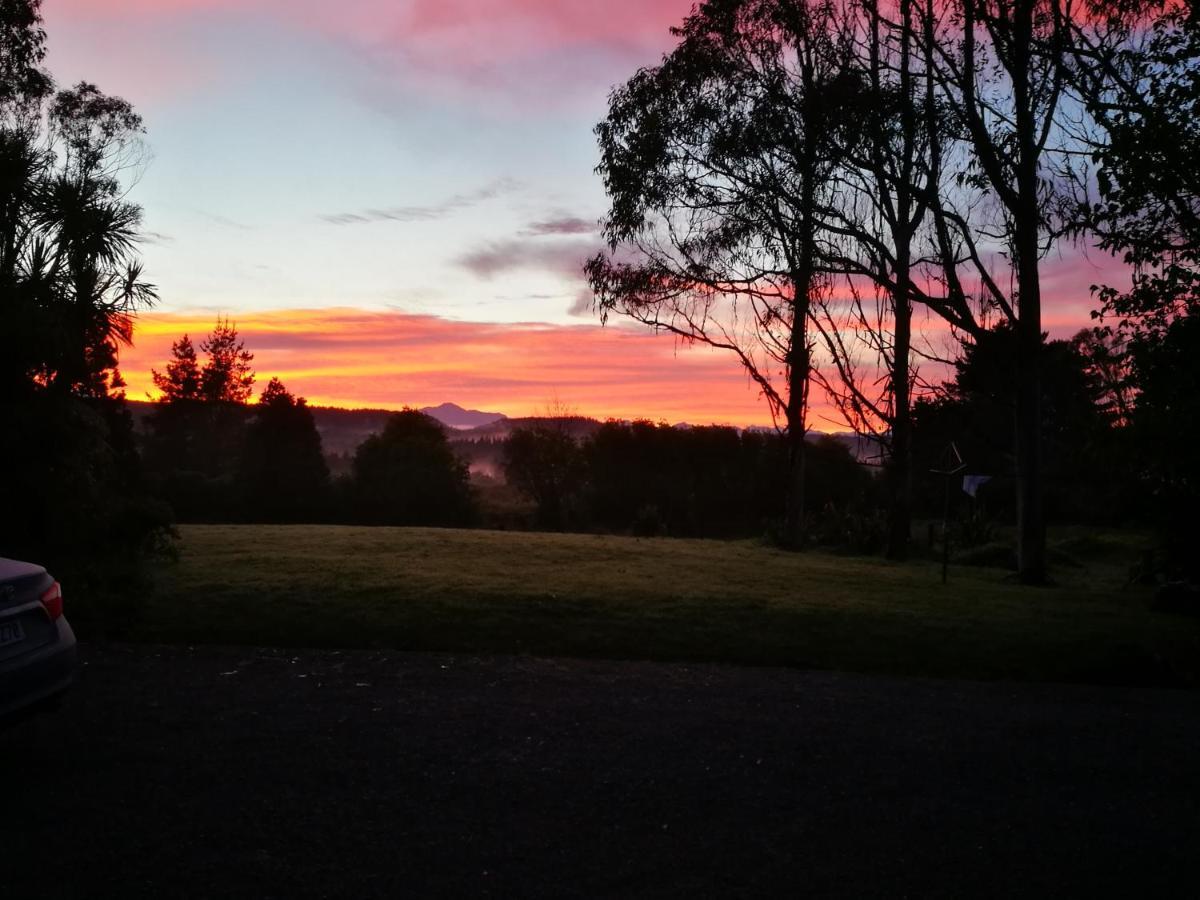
x: 176, y: 772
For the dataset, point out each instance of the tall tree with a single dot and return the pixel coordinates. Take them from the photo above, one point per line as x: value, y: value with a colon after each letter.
x: 282, y: 472
x: 545, y: 463
x: 180, y: 381
x: 1140, y: 78
x: 408, y: 475
x: 886, y: 181
x: 92, y: 232
x: 70, y: 283
x: 227, y: 376
x: 198, y: 423
x: 717, y: 166
x: 24, y: 84
x: 1002, y: 69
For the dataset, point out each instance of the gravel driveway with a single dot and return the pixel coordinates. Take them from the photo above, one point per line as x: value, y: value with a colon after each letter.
x: 266, y: 773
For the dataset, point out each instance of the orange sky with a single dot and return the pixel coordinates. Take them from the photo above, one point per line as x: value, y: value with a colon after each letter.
x: 359, y: 358
x: 351, y: 357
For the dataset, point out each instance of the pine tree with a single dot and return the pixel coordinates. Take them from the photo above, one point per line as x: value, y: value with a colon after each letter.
x: 182, y: 379
x: 227, y: 376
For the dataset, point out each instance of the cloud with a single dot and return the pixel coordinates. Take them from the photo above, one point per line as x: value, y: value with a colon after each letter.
x: 562, y: 225
x: 492, y: 54
x: 360, y: 358
x: 425, y: 213
x: 224, y: 222
x: 584, y: 303
x: 564, y: 258
x: 490, y: 29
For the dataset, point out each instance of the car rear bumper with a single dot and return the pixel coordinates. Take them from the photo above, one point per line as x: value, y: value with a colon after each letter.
x: 40, y: 674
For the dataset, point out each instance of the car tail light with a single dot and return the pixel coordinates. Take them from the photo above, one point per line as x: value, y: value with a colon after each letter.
x: 53, y: 601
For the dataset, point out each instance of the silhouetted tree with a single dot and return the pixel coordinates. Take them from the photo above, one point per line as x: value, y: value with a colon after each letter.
x: 1143, y: 87
x: 408, y: 475
x: 1002, y: 71
x: 546, y: 464
x: 886, y: 181
x: 717, y: 166
x: 180, y: 381
x: 1141, y: 82
x: 178, y: 427
x: 197, y: 428
x: 91, y: 233
x: 70, y: 282
x: 707, y: 481
x: 1083, y: 447
x: 1165, y: 427
x: 227, y: 376
x: 282, y: 473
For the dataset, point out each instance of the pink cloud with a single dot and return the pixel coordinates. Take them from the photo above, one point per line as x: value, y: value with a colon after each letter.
x: 485, y: 25
x: 517, y: 51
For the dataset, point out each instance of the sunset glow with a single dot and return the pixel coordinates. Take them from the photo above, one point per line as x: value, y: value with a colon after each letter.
x: 354, y: 358
x: 393, y: 200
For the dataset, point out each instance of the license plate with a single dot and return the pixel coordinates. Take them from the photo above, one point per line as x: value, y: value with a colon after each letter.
x: 11, y: 632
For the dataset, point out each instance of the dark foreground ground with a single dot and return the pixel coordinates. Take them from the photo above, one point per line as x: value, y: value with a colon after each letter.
x: 267, y: 773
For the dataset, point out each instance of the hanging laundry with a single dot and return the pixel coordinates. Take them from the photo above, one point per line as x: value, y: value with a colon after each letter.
x: 972, y: 483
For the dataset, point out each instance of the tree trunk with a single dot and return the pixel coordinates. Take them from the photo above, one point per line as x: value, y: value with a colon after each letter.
x: 794, y: 532
x: 1027, y: 220
x: 900, y: 459
x: 1031, y: 524
x: 799, y: 365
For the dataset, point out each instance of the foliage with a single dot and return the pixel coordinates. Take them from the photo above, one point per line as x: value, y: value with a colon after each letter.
x: 282, y: 475
x: 704, y: 481
x: 717, y: 163
x: 197, y: 430
x: 1147, y: 97
x: 858, y: 530
x: 180, y: 381
x: 227, y: 376
x: 973, y: 528
x: 408, y: 475
x: 1084, y: 452
x: 545, y: 463
x: 70, y: 283
x: 1166, y: 432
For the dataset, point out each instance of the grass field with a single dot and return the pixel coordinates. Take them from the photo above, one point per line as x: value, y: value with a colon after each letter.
x: 667, y: 599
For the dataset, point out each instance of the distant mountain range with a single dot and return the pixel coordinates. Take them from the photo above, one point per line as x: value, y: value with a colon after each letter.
x: 342, y: 430
x: 455, y: 416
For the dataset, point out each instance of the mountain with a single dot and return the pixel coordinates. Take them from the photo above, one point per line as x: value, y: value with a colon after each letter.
x: 342, y: 430
x: 578, y: 427
x: 454, y: 416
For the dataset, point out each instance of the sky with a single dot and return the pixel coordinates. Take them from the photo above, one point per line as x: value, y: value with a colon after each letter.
x: 392, y: 199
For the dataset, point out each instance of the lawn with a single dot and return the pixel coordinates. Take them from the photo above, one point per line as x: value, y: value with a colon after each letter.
x: 660, y: 598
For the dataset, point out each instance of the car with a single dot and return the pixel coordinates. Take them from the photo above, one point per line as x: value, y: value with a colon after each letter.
x: 37, y: 645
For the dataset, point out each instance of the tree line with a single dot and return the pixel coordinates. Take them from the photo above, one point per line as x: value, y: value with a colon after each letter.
x: 215, y: 457
x: 799, y: 179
